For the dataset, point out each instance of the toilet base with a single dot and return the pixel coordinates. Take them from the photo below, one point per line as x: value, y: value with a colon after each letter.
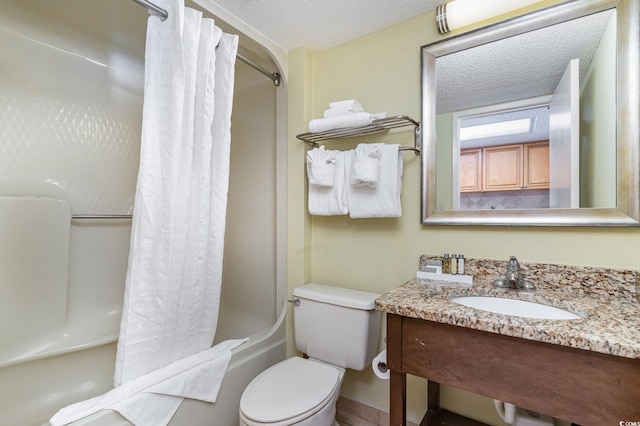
x: 325, y: 417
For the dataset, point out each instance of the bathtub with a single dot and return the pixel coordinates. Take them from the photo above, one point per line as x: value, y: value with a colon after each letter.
x: 263, y: 350
x: 32, y: 391
x: 72, y: 92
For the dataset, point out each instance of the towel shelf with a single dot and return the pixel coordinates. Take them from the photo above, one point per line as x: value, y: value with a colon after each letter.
x: 376, y: 126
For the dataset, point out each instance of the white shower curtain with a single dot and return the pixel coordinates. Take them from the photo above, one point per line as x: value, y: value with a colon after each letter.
x: 175, y: 265
x: 174, y: 277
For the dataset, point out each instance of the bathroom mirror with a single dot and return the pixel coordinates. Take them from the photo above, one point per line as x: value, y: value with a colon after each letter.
x: 611, y: 103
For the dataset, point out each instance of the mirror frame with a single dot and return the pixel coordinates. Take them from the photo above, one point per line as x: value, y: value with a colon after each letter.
x: 627, y: 212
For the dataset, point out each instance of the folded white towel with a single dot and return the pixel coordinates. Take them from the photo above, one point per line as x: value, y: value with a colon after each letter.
x: 337, y: 112
x: 349, y: 120
x: 152, y: 399
x: 384, y: 199
x: 321, y: 166
x: 330, y: 200
x: 349, y: 103
x: 365, y: 165
x: 342, y: 108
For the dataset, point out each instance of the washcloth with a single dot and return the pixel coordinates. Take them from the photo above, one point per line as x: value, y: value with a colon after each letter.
x: 384, y: 199
x: 321, y: 166
x: 331, y: 200
x: 198, y: 376
x: 343, y: 108
x: 365, y: 165
x: 349, y: 120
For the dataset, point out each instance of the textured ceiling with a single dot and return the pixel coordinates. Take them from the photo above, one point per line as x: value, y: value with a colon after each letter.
x: 319, y: 24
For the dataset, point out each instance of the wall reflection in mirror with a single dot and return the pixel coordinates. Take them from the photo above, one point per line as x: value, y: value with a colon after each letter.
x: 529, y: 121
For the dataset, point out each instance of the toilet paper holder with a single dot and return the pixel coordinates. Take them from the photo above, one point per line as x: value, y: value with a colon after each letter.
x: 379, y: 366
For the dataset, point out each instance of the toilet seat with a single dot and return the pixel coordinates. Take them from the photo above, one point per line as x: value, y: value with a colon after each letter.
x: 291, y: 390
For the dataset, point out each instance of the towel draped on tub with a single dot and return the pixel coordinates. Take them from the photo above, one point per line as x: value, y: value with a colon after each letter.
x: 198, y: 376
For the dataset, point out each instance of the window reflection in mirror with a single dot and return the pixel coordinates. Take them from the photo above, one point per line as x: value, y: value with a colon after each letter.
x: 566, y: 104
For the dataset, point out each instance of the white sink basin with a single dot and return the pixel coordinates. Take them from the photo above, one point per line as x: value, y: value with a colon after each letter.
x: 518, y: 308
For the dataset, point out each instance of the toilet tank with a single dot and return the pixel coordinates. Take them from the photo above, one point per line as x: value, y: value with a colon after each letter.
x: 336, y: 325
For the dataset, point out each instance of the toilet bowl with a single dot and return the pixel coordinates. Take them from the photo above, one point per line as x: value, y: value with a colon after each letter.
x: 296, y: 391
x: 336, y: 328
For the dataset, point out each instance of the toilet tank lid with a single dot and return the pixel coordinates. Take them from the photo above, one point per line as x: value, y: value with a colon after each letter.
x: 355, y: 299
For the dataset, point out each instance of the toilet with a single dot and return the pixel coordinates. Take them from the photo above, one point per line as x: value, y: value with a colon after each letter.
x: 336, y: 328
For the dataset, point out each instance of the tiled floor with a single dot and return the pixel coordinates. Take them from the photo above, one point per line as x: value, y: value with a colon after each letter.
x: 352, y: 413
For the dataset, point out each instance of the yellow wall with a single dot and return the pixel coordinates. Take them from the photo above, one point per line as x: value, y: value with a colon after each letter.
x: 382, y: 71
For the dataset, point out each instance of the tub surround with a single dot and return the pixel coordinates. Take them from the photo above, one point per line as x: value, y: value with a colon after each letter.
x: 608, y: 300
x: 584, y: 370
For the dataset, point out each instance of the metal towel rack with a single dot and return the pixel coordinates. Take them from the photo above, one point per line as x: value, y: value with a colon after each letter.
x: 376, y: 126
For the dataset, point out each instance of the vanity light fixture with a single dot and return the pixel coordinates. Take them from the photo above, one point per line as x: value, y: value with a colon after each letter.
x: 501, y: 128
x: 459, y: 13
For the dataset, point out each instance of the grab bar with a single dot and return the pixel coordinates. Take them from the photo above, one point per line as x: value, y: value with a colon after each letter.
x: 100, y: 216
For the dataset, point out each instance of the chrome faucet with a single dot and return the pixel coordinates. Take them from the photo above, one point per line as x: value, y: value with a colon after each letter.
x: 513, y: 279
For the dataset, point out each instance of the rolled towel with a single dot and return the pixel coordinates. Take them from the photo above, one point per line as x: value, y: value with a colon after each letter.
x: 337, y: 112
x: 346, y: 104
x: 365, y: 165
x: 343, y: 108
x: 321, y: 166
x: 342, y: 121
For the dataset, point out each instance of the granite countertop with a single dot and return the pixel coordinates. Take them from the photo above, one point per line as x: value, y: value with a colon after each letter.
x: 608, y: 303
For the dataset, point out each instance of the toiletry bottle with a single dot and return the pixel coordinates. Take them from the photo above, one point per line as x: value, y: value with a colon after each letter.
x: 446, y: 264
x: 461, y: 264
x: 453, y: 269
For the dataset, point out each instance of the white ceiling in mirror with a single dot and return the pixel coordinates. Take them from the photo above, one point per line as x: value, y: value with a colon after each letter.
x: 476, y: 77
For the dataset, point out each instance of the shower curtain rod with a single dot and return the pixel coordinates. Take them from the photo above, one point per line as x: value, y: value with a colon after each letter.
x: 163, y: 14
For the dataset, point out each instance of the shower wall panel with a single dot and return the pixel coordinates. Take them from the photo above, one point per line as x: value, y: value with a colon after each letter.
x: 70, y: 123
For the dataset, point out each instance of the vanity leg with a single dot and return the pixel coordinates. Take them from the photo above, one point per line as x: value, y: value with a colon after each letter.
x: 398, y: 378
x: 398, y: 399
x: 433, y: 404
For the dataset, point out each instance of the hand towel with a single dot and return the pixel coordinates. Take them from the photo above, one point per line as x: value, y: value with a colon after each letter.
x: 321, y: 166
x: 198, y: 376
x: 365, y: 165
x: 330, y: 200
x: 342, y: 108
x: 384, y: 199
x: 350, y: 120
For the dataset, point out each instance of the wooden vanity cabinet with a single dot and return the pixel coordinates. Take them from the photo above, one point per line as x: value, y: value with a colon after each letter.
x: 505, y: 167
x: 580, y: 386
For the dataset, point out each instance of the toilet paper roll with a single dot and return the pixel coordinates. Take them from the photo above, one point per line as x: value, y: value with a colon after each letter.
x: 379, y: 366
